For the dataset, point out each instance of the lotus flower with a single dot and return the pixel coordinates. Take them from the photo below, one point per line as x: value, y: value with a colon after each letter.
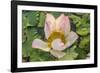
x: 58, y: 35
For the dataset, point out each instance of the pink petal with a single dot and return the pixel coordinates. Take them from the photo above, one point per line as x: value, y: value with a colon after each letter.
x: 63, y: 24
x: 56, y: 53
x: 39, y: 44
x: 70, y: 39
x: 57, y: 44
x: 49, y: 25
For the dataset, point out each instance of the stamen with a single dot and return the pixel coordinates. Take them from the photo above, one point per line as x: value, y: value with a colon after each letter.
x: 56, y: 35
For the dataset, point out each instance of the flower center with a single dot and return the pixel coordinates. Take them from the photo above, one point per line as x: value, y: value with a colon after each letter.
x: 56, y: 35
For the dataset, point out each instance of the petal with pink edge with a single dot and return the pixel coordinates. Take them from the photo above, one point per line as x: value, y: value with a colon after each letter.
x: 49, y: 25
x: 70, y: 39
x: 63, y: 24
x: 39, y: 44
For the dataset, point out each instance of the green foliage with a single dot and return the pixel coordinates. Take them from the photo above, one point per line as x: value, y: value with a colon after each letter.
x: 84, y: 42
x: 56, y: 14
x: 41, y: 20
x: 33, y: 27
x: 31, y: 34
x: 70, y: 54
x: 83, y: 31
x: 82, y: 54
x: 39, y: 55
x: 31, y: 18
x: 75, y: 19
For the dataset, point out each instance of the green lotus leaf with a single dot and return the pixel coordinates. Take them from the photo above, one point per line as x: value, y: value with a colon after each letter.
x: 24, y: 37
x: 75, y: 19
x: 31, y: 34
x: 82, y: 54
x: 25, y: 22
x: 41, y: 19
x: 69, y: 56
x: 85, y: 41
x: 32, y: 18
x: 83, y: 31
x: 39, y: 55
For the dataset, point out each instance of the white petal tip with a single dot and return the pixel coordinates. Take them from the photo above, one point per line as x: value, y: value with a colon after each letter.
x: 57, y: 54
x: 39, y: 44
